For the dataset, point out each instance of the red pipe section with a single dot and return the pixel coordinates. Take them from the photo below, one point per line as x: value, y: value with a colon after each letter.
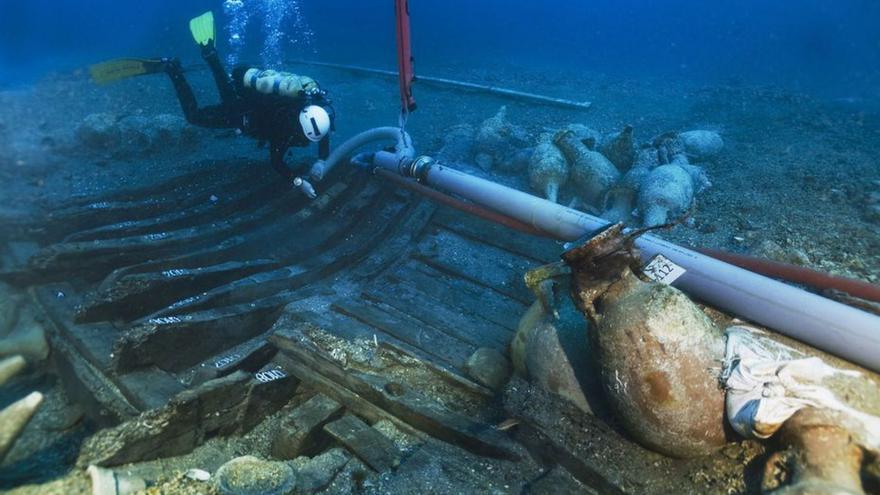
x: 405, y: 72
x: 798, y: 274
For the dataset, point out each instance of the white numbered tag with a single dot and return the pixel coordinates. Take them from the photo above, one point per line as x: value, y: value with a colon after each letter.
x: 662, y: 269
x: 269, y: 375
x: 226, y: 361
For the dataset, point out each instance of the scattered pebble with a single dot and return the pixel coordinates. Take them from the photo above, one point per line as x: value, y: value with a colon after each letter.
x: 317, y: 473
x: 488, y: 367
x: 774, y: 252
x: 251, y: 476
x: 198, y: 475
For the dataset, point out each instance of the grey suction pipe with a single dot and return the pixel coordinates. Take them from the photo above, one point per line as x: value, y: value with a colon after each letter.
x: 321, y: 168
x: 828, y: 325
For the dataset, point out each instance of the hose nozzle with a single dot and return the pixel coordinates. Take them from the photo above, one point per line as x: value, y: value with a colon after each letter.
x: 305, y: 186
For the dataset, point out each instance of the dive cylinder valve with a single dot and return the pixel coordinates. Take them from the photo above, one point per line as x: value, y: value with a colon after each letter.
x: 280, y: 83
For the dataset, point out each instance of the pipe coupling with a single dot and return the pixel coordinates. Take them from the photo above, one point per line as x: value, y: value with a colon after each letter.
x: 418, y: 168
x: 305, y: 187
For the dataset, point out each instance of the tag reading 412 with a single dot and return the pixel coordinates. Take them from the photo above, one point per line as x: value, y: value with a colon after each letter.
x: 662, y: 269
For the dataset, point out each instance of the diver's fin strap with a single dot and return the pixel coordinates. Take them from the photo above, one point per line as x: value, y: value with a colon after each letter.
x: 123, y: 68
x: 202, y: 28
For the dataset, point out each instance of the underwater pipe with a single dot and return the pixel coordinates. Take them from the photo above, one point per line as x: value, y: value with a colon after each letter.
x: 321, y: 168
x: 828, y: 325
x: 403, y: 147
x: 798, y: 274
x: 778, y: 270
x: 451, y: 83
x: 469, y: 208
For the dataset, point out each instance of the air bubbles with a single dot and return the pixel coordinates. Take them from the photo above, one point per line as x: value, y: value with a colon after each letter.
x: 236, y: 27
x: 282, y: 22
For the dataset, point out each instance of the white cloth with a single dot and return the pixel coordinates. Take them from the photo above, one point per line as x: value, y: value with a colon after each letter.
x: 767, y: 382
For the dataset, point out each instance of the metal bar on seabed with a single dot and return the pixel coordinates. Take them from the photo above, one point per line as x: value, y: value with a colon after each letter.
x: 510, y: 93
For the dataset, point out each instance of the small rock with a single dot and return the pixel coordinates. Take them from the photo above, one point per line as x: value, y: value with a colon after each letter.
x: 99, y: 131
x: 701, y: 145
x: 488, y: 367
x: 198, y: 475
x: 773, y: 251
x: 317, y: 473
x: 251, y: 476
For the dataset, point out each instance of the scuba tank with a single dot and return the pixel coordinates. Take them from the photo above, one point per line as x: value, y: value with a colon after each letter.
x: 280, y: 83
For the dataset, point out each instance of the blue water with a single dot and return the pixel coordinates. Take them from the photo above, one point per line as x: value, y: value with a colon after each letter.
x: 831, y: 49
x: 796, y: 171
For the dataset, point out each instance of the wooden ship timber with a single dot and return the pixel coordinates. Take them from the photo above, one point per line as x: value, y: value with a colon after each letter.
x: 202, y: 304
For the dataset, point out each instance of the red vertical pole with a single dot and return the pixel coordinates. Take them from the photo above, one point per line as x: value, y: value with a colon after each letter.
x: 405, y: 71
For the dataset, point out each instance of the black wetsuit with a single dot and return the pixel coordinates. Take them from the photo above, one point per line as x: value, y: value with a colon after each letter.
x: 269, y: 118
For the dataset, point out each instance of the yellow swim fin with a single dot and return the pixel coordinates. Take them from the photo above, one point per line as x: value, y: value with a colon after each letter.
x: 123, y: 68
x: 202, y: 28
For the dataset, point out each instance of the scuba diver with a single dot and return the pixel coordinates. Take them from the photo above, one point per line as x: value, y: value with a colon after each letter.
x: 282, y: 109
